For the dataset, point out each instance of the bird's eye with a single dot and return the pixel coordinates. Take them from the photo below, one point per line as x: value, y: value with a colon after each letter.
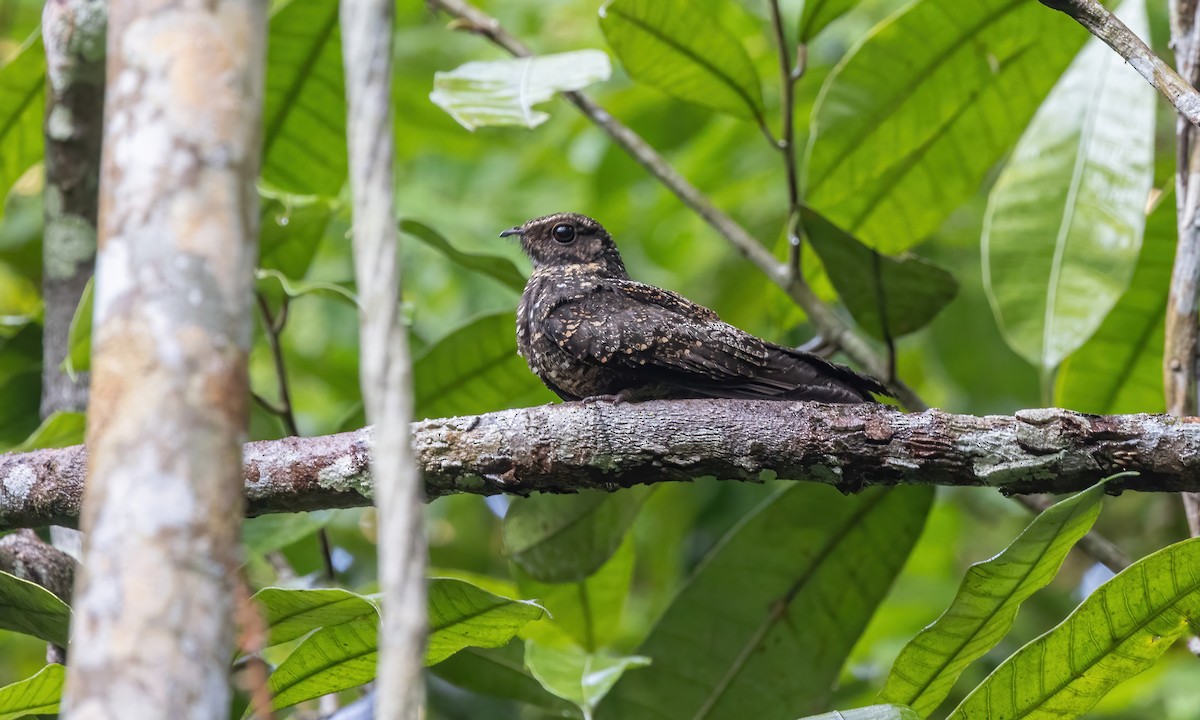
x: 563, y: 233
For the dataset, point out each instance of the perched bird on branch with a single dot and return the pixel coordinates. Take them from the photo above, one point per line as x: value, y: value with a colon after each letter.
x: 587, y: 330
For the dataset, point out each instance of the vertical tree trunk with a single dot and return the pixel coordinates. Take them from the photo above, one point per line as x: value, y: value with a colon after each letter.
x: 153, y: 632
x: 385, y: 367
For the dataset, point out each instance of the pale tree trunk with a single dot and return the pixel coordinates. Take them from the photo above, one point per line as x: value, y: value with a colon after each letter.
x: 384, y: 363
x: 153, y: 629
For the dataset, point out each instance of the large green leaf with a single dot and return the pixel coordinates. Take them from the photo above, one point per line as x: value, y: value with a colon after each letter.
x: 983, y: 611
x: 498, y: 268
x: 819, y: 13
x: 462, y: 615
x: 290, y: 229
x: 909, y: 290
x: 499, y: 672
x: 677, y: 47
x: 1065, y: 218
x: 475, y: 369
x: 1119, y: 369
x: 304, y: 111
x: 29, y: 608
x: 22, y: 106
x: 293, y: 613
x: 266, y: 533
x: 35, y: 695
x: 503, y: 92
x: 874, y: 712
x: 762, y: 628
x: 578, y: 676
x: 565, y: 538
x: 332, y: 659
x: 61, y: 429
x: 1116, y: 633
x: 909, y: 123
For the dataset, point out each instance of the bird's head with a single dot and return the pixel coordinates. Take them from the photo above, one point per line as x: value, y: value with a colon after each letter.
x: 566, y: 240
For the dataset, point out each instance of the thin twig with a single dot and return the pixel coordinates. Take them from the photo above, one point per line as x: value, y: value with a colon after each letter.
x: 787, y: 143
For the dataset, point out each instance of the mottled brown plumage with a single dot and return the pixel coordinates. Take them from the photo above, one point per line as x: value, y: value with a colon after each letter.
x: 587, y: 330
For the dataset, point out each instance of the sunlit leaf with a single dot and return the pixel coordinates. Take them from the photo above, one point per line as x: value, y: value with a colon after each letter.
x: 1119, y: 369
x: 334, y: 658
x: 1116, y: 633
x: 498, y: 268
x: 1065, y: 218
x: 503, y: 92
x: 910, y: 122
x: 462, y: 615
x: 986, y: 605
x: 29, y: 608
x: 911, y: 291
x: 36, y: 695
x: 778, y: 604
x: 22, y: 106
x: 61, y: 429
x: 679, y: 48
x: 819, y: 13
x: 580, y: 677
x: 293, y: 613
x: 20, y: 300
x: 874, y: 712
x: 79, y: 335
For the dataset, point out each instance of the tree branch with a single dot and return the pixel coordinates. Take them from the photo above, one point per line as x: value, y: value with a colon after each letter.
x: 572, y: 446
x: 1097, y: 20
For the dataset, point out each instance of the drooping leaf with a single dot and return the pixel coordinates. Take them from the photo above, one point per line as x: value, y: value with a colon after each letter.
x: 499, y: 672
x: 582, y: 678
x: 986, y: 605
x: 1119, y: 369
x: 566, y: 538
x: 475, y: 369
x: 906, y: 129
x: 266, y: 533
x: 462, y: 615
x: 79, y: 335
x: 35, y: 695
x: 503, y: 92
x: 777, y: 604
x: 293, y: 613
x: 290, y: 229
x: 304, y: 110
x: 874, y: 712
x: 1116, y: 633
x: 22, y: 107
x: 334, y: 658
x: 29, y: 608
x: 61, y: 429
x: 818, y: 14
x: 1066, y: 216
x: 299, y: 288
x: 498, y: 268
x: 910, y: 290
x: 680, y: 49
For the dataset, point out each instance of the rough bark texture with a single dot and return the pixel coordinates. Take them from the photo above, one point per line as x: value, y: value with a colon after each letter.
x: 153, y: 630
x: 73, y: 33
x: 385, y: 368
x: 567, y: 447
x: 25, y: 555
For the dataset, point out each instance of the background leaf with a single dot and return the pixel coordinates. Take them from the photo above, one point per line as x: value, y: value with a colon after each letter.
x: 679, y: 48
x: 61, y: 429
x: 462, y: 615
x: 32, y: 609
x: 1065, y: 218
x: 581, y: 677
x: 874, y: 712
x: 500, y: 672
x: 265, y: 533
x: 819, y: 13
x: 22, y: 106
x: 498, y: 268
x: 290, y: 229
x: 36, y: 695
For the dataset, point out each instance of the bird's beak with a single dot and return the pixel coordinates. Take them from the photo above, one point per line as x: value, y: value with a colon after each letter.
x: 512, y: 231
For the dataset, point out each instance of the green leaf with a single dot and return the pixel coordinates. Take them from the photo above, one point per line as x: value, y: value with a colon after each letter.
x: 31, y: 609
x: 20, y: 300
x: 819, y: 13
x: 778, y: 603
x: 984, y: 609
x: 462, y: 615
x: 874, y: 712
x: 290, y: 229
x: 1119, y: 369
x: 1065, y: 218
x: 566, y: 538
x: 912, y: 291
x: 22, y: 106
x: 580, y: 677
x: 266, y: 533
x: 79, y: 335
x: 304, y: 111
x: 910, y: 122
x: 678, y: 48
x: 498, y: 268
x: 586, y: 613
x: 475, y: 369
x: 35, y: 695
x: 61, y: 429
x: 293, y: 613
x: 299, y: 288
x: 1116, y: 633
x: 334, y: 658
x: 503, y: 92
x: 499, y: 672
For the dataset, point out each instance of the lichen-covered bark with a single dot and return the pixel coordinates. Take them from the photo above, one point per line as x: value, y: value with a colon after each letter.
x: 153, y: 633
x: 570, y: 446
x: 73, y: 33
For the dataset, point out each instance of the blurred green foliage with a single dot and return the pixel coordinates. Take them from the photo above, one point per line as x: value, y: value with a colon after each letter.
x: 916, y: 112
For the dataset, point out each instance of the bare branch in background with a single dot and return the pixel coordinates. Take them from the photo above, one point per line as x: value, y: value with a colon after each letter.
x: 154, y: 607
x: 384, y: 362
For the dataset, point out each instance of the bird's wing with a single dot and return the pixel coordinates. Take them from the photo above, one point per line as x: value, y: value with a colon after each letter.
x: 673, y: 341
